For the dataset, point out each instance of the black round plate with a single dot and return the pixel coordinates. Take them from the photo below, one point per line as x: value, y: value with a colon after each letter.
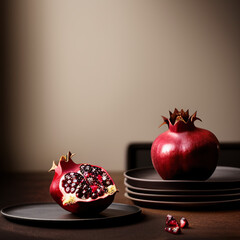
x: 183, y: 205
x: 181, y: 192
x: 222, y: 178
x: 182, y: 198
x: 53, y: 213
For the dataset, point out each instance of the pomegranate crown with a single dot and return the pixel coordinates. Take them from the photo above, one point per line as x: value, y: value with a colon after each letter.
x: 177, y: 116
x: 63, y: 158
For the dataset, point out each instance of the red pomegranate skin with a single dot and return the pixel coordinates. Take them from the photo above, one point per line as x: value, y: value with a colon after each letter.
x: 79, y: 208
x: 185, y: 152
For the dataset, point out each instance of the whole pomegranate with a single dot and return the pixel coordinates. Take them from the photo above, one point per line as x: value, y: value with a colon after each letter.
x: 81, y: 188
x: 184, y: 151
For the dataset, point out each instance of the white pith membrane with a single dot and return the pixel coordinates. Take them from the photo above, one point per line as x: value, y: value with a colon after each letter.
x: 75, y: 181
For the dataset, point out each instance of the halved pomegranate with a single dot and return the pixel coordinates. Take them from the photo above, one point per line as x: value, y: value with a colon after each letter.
x: 81, y: 188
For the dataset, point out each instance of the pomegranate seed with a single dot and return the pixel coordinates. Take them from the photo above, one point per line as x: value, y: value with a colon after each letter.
x: 94, y: 195
x: 79, y: 193
x: 171, y: 221
x: 100, y: 192
x: 67, y: 189
x: 172, y: 225
x: 86, y: 174
x: 67, y: 176
x: 174, y: 230
x: 87, y: 168
x: 99, y: 177
x: 104, y: 177
x: 94, y: 188
x: 184, y: 222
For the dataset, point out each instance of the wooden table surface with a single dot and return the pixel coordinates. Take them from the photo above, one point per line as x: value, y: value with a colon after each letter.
x: 33, y: 187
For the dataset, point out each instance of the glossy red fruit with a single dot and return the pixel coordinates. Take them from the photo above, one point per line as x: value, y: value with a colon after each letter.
x: 171, y: 221
x: 81, y: 188
x: 184, y: 223
x: 184, y: 152
x: 174, y: 230
x: 172, y: 225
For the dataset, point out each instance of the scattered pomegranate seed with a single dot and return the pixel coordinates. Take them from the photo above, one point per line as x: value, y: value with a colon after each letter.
x: 174, y: 230
x: 184, y: 222
x: 171, y: 221
x: 172, y: 225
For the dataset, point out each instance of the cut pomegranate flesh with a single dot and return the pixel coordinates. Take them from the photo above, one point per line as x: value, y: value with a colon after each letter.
x: 89, y: 183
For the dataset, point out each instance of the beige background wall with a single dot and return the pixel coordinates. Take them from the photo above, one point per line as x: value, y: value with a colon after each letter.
x: 93, y: 76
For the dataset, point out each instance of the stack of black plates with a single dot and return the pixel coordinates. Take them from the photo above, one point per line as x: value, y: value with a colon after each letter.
x: 147, y: 189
